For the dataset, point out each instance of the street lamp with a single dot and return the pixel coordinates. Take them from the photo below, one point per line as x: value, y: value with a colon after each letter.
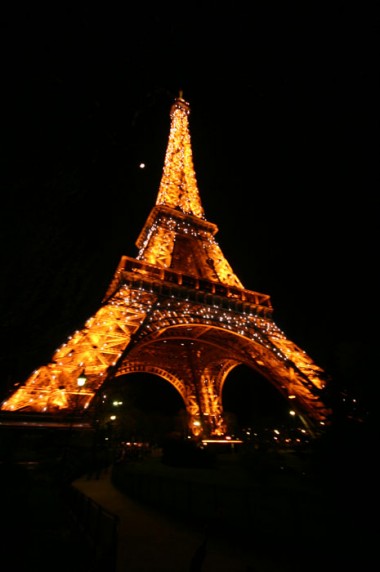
x: 67, y: 453
x: 81, y: 380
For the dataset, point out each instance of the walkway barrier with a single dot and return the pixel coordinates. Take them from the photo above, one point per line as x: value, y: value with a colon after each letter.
x: 98, y: 527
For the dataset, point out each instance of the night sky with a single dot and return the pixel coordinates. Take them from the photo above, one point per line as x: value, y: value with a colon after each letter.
x: 285, y: 135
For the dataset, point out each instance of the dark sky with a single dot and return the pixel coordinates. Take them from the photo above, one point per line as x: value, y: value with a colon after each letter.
x: 285, y: 133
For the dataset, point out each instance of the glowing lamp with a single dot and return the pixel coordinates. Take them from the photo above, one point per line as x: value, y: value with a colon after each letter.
x: 81, y: 379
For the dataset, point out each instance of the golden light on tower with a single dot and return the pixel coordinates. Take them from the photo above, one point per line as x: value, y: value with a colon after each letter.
x: 179, y: 311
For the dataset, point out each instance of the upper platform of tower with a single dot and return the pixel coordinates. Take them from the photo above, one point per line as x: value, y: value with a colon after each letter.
x: 176, y: 235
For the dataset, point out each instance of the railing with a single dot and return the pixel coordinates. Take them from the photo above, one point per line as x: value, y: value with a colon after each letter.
x: 137, y: 269
x: 98, y: 527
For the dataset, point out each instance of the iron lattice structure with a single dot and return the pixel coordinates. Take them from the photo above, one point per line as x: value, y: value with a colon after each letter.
x: 177, y: 310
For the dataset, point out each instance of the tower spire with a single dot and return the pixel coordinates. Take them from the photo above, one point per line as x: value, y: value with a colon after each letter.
x: 178, y: 188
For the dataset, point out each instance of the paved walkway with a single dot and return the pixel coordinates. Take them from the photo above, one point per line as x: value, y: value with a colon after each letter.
x: 152, y: 542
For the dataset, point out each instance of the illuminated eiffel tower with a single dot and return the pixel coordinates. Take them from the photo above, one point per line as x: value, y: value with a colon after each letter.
x: 177, y: 310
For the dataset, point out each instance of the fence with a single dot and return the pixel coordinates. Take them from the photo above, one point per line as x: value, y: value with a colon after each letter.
x: 98, y: 528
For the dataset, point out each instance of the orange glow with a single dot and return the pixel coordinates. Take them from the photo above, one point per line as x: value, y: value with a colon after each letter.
x: 179, y: 311
x: 226, y: 440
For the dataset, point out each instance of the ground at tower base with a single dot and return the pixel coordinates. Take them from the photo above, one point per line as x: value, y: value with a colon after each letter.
x: 265, y: 510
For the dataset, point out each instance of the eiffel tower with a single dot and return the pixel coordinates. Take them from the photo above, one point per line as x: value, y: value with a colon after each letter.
x: 177, y: 310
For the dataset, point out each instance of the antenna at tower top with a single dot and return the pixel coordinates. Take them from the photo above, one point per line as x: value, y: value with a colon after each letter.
x: 180, y: 103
